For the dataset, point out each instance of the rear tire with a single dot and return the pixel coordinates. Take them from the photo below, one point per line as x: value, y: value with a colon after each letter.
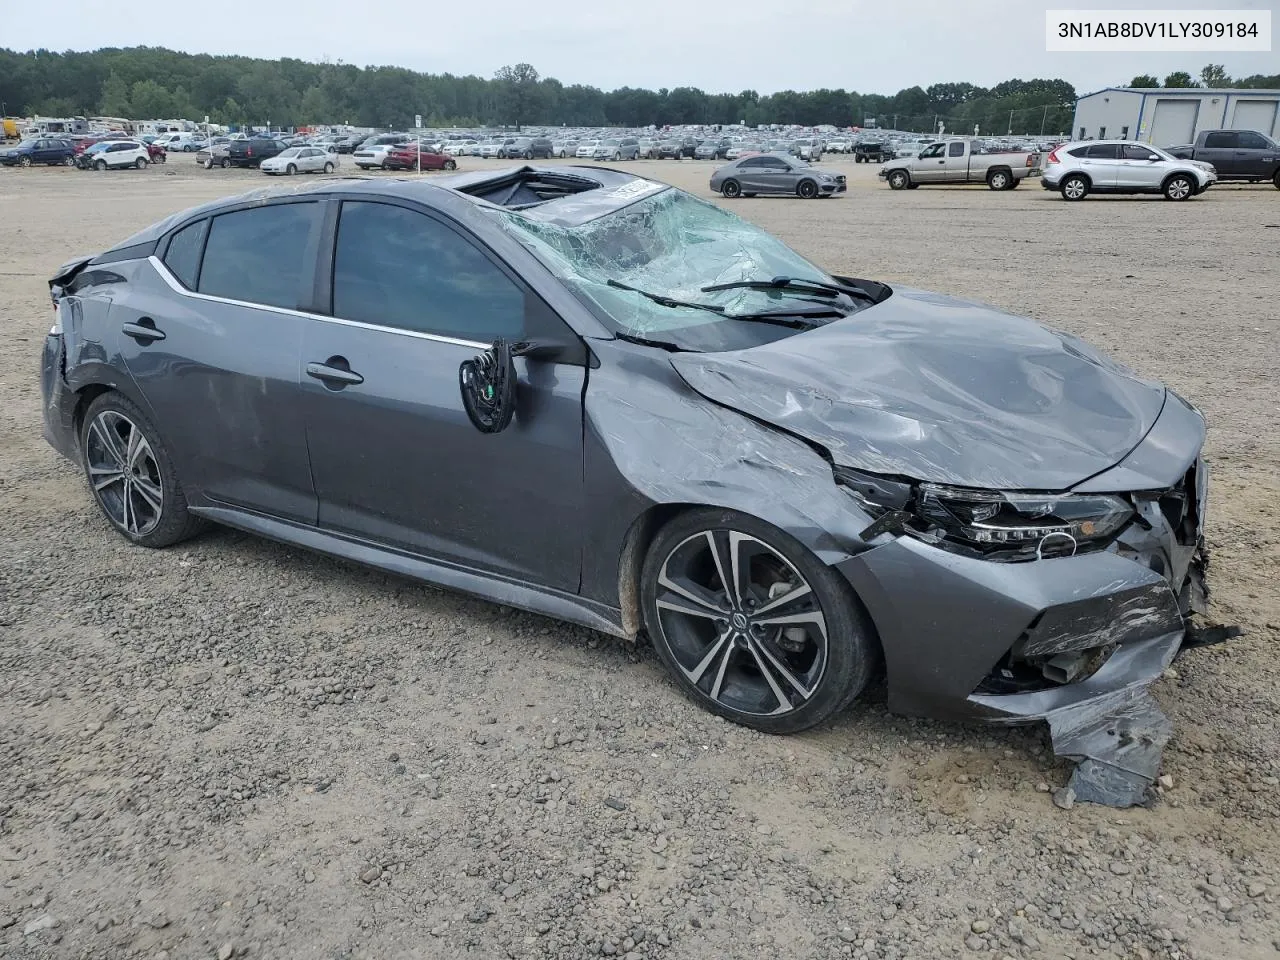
x: 328, y: 168
x: 899, y: 180
x: 773, y: 678
x: 999, y: 179
x: 131, y: 474
x: 1074, y: 188
x: 226, y: 164
x: 1276, y: 181
x: 140, y: 164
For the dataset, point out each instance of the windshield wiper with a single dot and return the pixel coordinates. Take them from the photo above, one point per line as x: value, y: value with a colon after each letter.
x: 665, y: 301
x: 782, y: 283
x: 799, y: 319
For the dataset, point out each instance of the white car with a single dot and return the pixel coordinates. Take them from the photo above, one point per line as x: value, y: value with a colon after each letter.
x: 1123, y: 166
x: 839, y: 146
x: 114, y: 155
x: 587, y: 148
x: 459, y: 148
x: 492, y: 148
x: 300, y: 160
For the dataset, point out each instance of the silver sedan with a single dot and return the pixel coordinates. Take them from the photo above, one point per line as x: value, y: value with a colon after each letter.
x: 772, y: 173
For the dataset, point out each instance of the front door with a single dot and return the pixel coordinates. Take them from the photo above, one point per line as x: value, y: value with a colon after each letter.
x: 1136, y: 168
x: 930, y: 166
x: 956, y: 169
x: 394, y: 457
x: 212, y: 343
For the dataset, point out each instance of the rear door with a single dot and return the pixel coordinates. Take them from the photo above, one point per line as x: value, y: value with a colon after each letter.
x: 212, y: 343
x: 1220, y: 149
x: 394, y: 456
x: 1101, y: 162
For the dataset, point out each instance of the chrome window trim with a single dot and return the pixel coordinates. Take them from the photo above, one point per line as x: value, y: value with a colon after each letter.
x: 177, y: 287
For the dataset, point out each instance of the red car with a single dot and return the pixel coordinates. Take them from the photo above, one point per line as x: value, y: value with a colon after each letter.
x: 406, y: 158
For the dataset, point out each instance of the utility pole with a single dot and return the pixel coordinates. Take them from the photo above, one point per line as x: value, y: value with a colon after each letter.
x: 1011, y: 123
x: 1043, y: 119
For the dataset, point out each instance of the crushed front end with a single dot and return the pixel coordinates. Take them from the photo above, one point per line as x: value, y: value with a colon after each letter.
x: 1071, y: 633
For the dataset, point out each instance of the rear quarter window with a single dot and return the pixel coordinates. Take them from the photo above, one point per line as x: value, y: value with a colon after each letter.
x: 183, y: 256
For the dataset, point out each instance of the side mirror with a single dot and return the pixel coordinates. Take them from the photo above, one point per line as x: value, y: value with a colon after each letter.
x: 1154, y: 158
x: 488, y: 385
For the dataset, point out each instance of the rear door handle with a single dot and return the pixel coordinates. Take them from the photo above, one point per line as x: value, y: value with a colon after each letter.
x: 330, y: 372
x: 144, y: 331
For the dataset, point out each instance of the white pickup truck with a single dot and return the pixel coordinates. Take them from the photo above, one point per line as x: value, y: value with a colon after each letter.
x: 960, y: 160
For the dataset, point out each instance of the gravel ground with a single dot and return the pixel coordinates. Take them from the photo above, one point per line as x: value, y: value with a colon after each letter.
x: 232, y: 748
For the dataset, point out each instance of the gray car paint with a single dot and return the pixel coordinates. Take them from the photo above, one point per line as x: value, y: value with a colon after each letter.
x: 638, y: 433
x: 783, y: 184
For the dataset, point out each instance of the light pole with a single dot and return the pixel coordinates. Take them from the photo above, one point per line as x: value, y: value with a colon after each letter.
x: 1011, y: 123
x: 1044, y: 118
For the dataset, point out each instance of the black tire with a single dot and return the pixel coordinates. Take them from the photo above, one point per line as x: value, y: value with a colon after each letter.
x: 899, y: 180
x: 528, y: 155
x: 328, y: 168
x: 999, y: 179
x: 24, y: 162
x: 1074, y: 188
x: 140, y: 164
x: 226, y: 163
x: 69, y: 161
x: 1276, y: 180
x: 290, y: 170
x: 839, y: 645
x: 450, y: 165
x: 806, y: 190
x: 731, y: 189
x: 1180, y: 187
x: 173, y: 522
x: 100, y: 165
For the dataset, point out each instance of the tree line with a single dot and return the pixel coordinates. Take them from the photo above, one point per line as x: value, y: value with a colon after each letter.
x: 155, y: 83
x: 1213, y: 76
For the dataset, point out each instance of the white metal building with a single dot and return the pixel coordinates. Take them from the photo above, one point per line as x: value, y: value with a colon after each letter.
x: 1169, y: 117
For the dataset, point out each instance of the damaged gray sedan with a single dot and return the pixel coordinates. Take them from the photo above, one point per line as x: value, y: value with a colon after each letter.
x: 596, y: 397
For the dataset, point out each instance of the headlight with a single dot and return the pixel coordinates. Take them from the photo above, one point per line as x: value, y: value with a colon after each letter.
x: 990, y: 523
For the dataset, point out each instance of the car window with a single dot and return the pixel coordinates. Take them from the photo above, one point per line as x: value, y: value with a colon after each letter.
x: 1227, y: 139
x: 1103, y: 151
x: 1133, y: 151
x: 1248, y: 140
x: 258, y: 255
x: 751, y: 162
x: 400, y: 268
x: 183, y: 256
x: 955, y: 149
x: 933, y: 151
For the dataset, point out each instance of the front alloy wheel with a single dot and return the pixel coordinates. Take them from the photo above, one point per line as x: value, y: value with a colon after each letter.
x: 1178, y: 188
x: 752, y: 624
x: 899, y: 180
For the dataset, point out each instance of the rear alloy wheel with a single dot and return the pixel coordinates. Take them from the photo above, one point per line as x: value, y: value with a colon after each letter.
x: 807, y: 190
x: 899, y: 180
x: 1074, y: 188
x: 752, y: 624
x: 140, y: 164
x: 999, y: 179
x: 1179, y: 188
x: 69, y: 161
x: 132, y: 476
x: 731, y: 189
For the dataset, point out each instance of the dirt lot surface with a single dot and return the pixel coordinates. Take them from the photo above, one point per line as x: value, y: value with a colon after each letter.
x: 231, y: 748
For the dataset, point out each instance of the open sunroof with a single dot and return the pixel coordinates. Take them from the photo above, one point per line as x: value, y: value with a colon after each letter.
x: 527, y: 187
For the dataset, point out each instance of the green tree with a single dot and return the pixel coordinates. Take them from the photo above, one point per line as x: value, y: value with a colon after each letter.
x: 1214, y: 76
x: 519, y: 85
x: 1145, y: 81
x: 114, y: 101
x: 1178, y: 80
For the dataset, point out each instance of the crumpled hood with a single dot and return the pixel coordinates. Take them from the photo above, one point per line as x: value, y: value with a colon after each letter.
x: 934, y: 388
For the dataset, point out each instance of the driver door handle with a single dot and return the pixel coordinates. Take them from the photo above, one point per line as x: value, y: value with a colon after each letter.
x: 332, y: 374
x: 144, y: 331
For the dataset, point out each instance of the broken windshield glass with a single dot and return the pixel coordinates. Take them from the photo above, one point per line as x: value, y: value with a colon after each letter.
x: 674, y: 245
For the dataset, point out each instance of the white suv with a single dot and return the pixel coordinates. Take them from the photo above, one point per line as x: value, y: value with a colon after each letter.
x: 1123, y: 166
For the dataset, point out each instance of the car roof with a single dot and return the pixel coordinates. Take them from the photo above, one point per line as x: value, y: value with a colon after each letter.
x: 595, y: 192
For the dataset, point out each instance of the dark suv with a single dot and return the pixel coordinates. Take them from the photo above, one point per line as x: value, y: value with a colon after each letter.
x: 50, y: 150
x: 250, y: 153
x: 530, y: 148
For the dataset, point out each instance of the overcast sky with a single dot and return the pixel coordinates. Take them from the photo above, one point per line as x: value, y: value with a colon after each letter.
x: 871, y: 46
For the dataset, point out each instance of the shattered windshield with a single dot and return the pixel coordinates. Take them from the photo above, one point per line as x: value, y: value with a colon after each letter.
x: 674, y: 245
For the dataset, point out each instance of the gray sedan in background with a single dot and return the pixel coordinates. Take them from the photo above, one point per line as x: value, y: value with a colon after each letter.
x: 599, y: 398
x: 773, y: 173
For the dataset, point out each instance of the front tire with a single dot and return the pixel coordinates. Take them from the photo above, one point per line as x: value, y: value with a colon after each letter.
x: 226, y: 164
x: 131, y: 474
x: 806, y: 190
x: 290, y: 170
x: 450, y: 165
x: 899, y: 180
x: 752, y: 624
x: 1179, y: 188
x: 24, y: 162
x: 1074, y: 188
x: 731, y: 189
x: 100, y: 165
